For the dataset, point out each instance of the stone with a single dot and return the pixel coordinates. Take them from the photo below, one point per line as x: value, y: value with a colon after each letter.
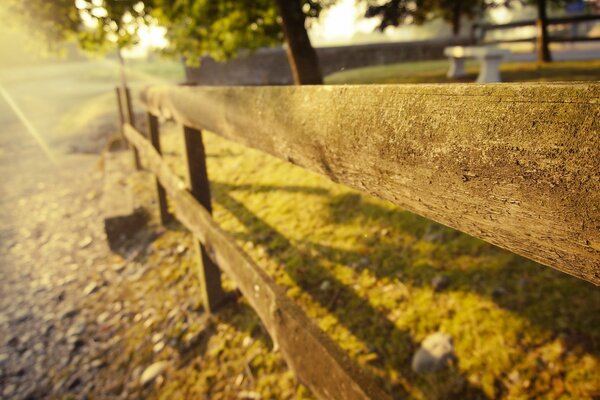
x: 498, y: 291
x: 158, y: 347
x: 22, y: 316
x: 440, y: 282
x: 153, y: 371
x: 325, y: 285
x: 97, y: 363
x: 118, y: 268
x: 70, y: 313
x: 13, y: 341
x: 103, y: 317
x: 436, y: 353
x: 9, y: 390
x: 85, y: 242
x: 76, y: 329
x: 90, y: 288
x: 249, y: 395
x: 157, y: 337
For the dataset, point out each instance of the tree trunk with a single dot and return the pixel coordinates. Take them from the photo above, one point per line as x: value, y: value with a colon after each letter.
x: 301, y: 55
x: 542, y: 45
x: 122, y: 68
x: 456, y: 11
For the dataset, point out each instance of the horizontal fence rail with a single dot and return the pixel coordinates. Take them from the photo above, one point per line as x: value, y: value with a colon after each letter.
x: 316, y: 360
x: 479, y: 30
x: 517, y: 165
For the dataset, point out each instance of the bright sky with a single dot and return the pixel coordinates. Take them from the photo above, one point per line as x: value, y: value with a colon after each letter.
x: 341, y: 22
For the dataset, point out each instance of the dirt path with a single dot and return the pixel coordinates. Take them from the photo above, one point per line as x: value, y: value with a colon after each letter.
x: 52, y: 248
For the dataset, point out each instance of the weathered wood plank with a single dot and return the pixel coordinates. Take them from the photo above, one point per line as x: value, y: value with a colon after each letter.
x: 318, y: 362
x: 161, y: 197
x: 514, y: 164
x: 195, y: 159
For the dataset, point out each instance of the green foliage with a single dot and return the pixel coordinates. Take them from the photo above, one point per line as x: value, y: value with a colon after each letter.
x: 194, y: 28
x: 398, y: 12
x: 218, y: 28
x: 97, y: 25
x: 54, y: 21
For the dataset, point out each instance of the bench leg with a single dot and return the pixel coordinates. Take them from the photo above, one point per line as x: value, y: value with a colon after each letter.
x: 457, y: 68
x: 490, y: 70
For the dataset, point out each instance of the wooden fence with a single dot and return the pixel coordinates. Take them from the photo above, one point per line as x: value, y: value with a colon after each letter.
x: 479, y: 30
x: 517, y: 165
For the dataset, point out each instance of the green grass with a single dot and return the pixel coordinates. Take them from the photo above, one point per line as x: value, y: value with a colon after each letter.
x: 435, y: 72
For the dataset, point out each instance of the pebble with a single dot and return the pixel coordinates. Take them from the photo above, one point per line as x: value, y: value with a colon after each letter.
x: 118, y: 268
x: 9, y: 390
x: 153, y: 371
x: 103, y: 317
x: 158, y: 347
x: 69, y: 313
x: 435, y: 353
x: 248, y: 395
x: 498, y: 291
x: 97, y: 363
x: 22, y: 316
x: 157, y: 337
x: 76, y: 329
x: 90, y: 288
x: 440, y: 282
x: 85, y: 242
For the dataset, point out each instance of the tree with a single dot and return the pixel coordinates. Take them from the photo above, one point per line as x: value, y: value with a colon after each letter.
x: 301, y: 55
x: 397, y: 12
x: 221, y: 29
x: 542, y: 42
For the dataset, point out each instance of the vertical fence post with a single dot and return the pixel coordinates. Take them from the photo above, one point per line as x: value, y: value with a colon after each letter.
x: 161, y: 196
x: 210, y: 274
x: 129, y: 117
x: 121, y: 115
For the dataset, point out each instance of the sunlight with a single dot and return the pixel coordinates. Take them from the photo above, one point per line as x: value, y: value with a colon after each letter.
x: 29, y: 126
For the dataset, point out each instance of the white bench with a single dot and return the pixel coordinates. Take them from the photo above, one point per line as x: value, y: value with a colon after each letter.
x: 490, y: 58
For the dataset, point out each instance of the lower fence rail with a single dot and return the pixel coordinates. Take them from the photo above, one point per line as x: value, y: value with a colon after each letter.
x: 315, y: 359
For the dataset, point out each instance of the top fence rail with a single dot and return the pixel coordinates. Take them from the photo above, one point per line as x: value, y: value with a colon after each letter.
x: 516, y: 165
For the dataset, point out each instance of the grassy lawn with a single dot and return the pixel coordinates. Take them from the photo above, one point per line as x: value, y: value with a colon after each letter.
x: 362, y: 269
x: 435, y: 72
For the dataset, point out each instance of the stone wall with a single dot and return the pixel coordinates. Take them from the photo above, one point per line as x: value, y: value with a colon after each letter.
x: 270, y: 66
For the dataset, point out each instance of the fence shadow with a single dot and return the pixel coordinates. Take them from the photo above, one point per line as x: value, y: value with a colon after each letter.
x: 355, y: 313
x: 564, y: 305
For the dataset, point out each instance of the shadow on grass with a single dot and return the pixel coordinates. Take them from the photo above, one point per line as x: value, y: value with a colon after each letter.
x: 564, y: 305
x: 355, y: 313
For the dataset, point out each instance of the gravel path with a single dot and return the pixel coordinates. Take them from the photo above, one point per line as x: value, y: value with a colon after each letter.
x: 52, y: 248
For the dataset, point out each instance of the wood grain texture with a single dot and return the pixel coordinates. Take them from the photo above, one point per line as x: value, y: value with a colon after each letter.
x: 318, y: 362
x: 210, y: 274
x: 514, y: 164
